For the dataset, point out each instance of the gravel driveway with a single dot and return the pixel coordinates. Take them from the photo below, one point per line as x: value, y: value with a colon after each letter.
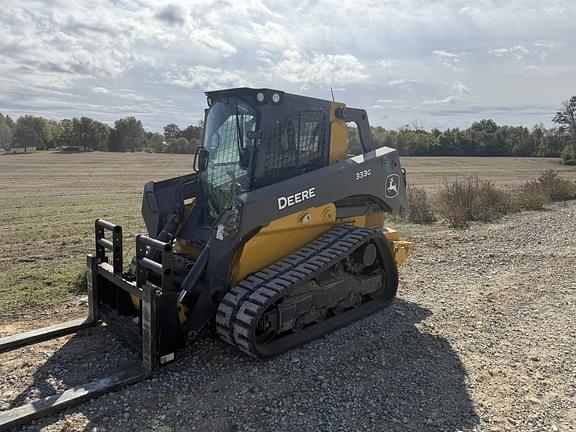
x: 481, y: 338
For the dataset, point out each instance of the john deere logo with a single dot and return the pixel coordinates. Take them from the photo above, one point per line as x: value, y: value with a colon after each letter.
x: 392, y: 182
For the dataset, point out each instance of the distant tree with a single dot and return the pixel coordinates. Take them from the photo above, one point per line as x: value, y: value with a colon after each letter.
x: 449, y: 142
x: 566, y: 118
x: 6, y: 131
x: 80, y: 130
x: 114, y: 143
x: 56, y: 132
x: 100, y: 136
x: 517, y: 140
x: 155, y: 142
x: 66, y: 135
x: 171, y: 132
x: 555, y: 142
x: 89, y: 133
x: 40, y: 127
x: 182, y: 145
x: 25, y: 137
x: 127, y: 135
x: 192, y: 133
x: 485, y: 138
x: 11, y: 124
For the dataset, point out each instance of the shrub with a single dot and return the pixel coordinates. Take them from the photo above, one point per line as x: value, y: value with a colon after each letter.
x: 453, y: 201
x: 529, y: 196
x: 555, y: 188
x: 489, y: 203
x: 462, y: 201
x: 569, y: 154
x: 420, y: 210
x: 549, y: 187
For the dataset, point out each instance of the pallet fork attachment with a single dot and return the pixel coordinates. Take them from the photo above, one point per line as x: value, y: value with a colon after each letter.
x: 105, y: 283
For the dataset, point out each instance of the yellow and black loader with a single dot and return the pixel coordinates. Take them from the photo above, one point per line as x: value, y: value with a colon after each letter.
x: 275, y: 238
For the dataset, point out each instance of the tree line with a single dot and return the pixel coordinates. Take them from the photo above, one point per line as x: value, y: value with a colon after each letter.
x: 482, y: 138
x: 485, y: 138
x: 128, y: 134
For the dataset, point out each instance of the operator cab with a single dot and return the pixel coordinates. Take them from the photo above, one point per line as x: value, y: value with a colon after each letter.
x: 257, y: 137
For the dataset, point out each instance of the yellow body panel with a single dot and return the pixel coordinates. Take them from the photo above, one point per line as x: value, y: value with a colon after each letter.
x: 372, y: 220
x: 282, y: 237
x: 402, y: 249
x: 338, y: 136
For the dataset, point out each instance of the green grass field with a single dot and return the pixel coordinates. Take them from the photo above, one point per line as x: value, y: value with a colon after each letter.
x: 49, y: 201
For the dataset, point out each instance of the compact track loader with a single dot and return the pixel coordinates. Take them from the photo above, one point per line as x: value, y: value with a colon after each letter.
x: 275, y: 238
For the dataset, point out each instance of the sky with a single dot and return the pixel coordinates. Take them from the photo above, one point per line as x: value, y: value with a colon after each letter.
x: 431, y: 63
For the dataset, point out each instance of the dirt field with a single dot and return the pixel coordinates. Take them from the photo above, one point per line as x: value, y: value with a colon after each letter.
x: 481, y: 337
x: 429, y: 172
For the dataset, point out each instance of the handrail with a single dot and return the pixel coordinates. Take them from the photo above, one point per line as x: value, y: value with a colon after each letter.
x: 103, y: 244
x: 144, y: 264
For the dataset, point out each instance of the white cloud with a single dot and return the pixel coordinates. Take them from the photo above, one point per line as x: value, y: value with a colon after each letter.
x: 205, y: 78
x: 447, y: 54
x: 447, y: 99
x: 518, y: 51
x: 101, y: 90
x: 458, y: 93
x: 548, y: 44
x: 316, y: 68
x: 404, y: 83
x: 404, y: 59
x: 449, y: 59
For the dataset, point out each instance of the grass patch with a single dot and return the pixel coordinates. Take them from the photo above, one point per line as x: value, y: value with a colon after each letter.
x: 42, y: 283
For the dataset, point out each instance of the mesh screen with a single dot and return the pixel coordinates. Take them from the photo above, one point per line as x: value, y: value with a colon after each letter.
x: 297, y: 145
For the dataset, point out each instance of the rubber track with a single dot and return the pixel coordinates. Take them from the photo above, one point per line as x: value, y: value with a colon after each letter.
x: 243, y: 305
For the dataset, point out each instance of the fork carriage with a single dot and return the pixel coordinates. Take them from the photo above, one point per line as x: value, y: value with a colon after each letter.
x: 152, y: 329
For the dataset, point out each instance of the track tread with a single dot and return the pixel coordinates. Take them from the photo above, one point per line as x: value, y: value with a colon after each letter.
x: 238, y: 313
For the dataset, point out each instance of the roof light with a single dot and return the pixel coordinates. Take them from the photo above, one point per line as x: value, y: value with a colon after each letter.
x: 260, y: 97
x: 276, y: 98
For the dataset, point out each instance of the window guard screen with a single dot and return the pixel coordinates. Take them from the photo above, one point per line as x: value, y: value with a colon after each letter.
x: 298, y: 144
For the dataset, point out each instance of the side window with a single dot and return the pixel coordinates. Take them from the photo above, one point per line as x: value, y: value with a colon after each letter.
x: 354, y: 143
x: 297, y: 145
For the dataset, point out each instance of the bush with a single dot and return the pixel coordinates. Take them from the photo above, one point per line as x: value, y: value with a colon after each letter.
x: 529, y: 196
x: 490, y: 202
x: 549, y: 187
x: 472, y: 199
x: 420, y: 210
x: 569, y: 154
x: 453, y: 201
x: 555, y: 188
